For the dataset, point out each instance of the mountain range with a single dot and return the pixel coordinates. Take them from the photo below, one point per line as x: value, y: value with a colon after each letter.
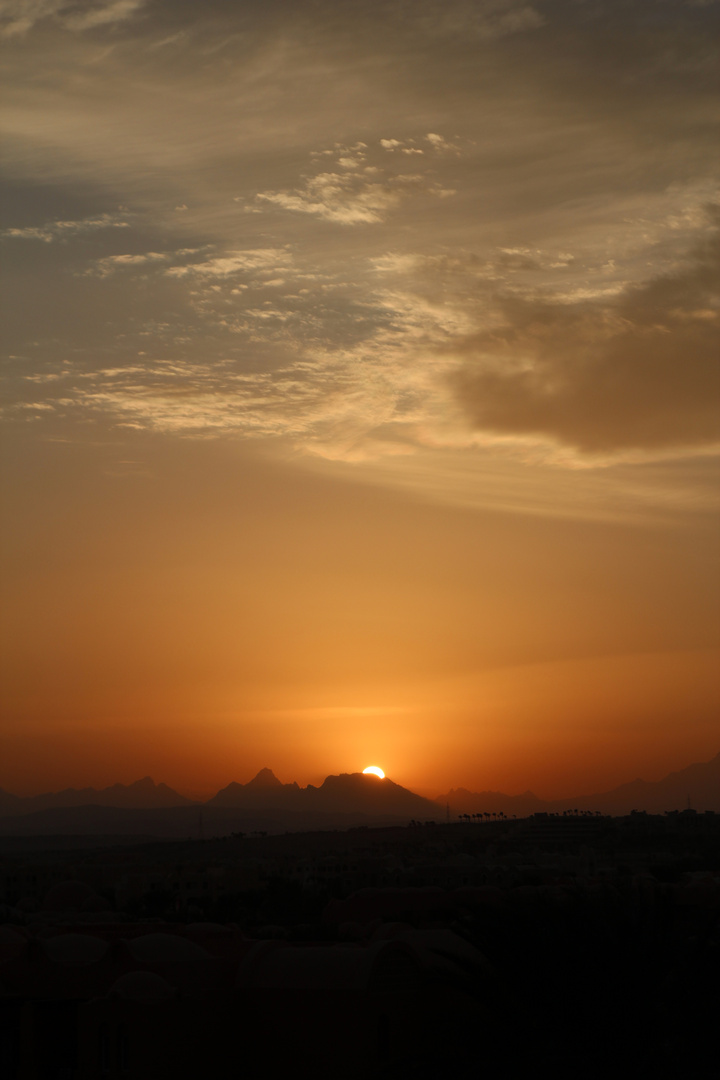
x: 265, y: 803
x: 697, y: 786
x: 144, y: 794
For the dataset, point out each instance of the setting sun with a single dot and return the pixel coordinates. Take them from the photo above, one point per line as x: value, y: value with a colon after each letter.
x: 375, y: 770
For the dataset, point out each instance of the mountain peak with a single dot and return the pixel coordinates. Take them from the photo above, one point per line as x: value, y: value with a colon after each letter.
x: 354, y: 780
x: 265, y: 778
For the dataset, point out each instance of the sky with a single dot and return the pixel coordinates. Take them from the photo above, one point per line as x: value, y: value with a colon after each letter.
x: 361, y: 391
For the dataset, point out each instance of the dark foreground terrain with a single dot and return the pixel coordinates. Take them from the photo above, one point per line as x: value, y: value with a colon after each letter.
x: 566, y: 943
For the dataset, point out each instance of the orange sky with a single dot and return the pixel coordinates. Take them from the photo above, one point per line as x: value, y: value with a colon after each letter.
x: 362, y: 396
x: 220, y: 613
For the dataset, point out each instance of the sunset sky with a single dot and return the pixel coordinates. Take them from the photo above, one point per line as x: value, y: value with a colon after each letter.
x: 362, y: 391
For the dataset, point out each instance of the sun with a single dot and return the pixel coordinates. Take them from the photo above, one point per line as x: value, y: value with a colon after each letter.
x: 375, y: 770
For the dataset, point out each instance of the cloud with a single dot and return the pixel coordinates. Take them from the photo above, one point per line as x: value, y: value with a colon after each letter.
x: 187, y: 398
x: 350, y: 198
x: 485, y: 477
x: 234, y: 262
x: 513, y: 315
x: 467, y: 19
x: 363, y: 194
x: 438, y: 142
x: 64, y: 230
x: 339, y: 198
x: 19, y: 16
x: 110, y: 11
x: 634, y: 371
x: 108, y: 265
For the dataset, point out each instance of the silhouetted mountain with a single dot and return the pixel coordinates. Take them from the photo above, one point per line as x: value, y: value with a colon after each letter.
x: 266, y: 778
x: 144, y: 794
x: 700, y: 783
x: 9, y: 804
x: 356, y: 792
x: 349, y: 793
x: 265, y: 804
x: 264, y: 790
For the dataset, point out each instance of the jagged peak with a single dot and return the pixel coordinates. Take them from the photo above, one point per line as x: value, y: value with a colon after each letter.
x: 265, y: 778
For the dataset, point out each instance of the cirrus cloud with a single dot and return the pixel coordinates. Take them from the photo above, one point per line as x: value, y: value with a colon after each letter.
x: 19, y: 16
x: 64, y: 230
x: 360, y: 195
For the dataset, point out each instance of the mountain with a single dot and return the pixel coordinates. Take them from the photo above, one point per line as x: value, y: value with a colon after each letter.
x: 266, y: 778
x: 358, y: 793
x: 146, y: 808
x: 144, y: 794
x: 264, y: 790
x: 353, y: 792
x: 698, y: 783
x: 10, y: 804
x: 349, y: 793
x: 340, y: 802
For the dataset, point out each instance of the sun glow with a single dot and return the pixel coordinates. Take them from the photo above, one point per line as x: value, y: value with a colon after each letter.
x: 375, y: 770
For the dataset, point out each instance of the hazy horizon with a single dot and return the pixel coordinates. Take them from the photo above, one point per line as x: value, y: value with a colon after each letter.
x: 201, y: 795
x: 362, y: 392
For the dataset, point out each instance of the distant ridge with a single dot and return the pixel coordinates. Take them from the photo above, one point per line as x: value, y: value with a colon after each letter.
x: 144, y: 794
x: 700, y: 783
x: 264, y: 803
x: 340, y: 802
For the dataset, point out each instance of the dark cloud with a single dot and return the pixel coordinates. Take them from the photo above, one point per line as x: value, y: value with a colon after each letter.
x: 638, y: 372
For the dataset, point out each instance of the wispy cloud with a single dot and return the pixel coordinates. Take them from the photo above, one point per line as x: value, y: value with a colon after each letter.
x: 552, y: 307
x: 65, y: 230
x: 233, y: 262
x: 417, y: 351
x: 111, y: 263
x: 349, y: 199
x: 360, y: 194
x: 19, y: 16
